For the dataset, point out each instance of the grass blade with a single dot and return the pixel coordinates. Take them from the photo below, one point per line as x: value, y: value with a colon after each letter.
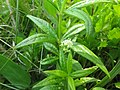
x: 113, y: 73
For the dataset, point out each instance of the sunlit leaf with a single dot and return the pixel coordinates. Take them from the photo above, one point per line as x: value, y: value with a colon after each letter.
x: 114, y: 34
x: 117, y: 9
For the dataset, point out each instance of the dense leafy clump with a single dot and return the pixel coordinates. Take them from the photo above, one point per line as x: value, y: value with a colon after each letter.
x: 59, y: 44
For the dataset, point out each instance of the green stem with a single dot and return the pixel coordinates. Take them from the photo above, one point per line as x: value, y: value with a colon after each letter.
x: 60, y: 19
x: 59, y: 26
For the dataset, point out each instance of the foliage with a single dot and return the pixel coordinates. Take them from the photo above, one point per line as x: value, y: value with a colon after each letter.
x: 59, y: 44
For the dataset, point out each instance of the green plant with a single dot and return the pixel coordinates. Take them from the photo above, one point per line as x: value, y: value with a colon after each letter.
x: 53, y: 46
x: 60, y: 44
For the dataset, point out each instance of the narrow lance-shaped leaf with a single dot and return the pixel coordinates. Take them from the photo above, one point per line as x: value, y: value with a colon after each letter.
x: 14, y: 73
x: 117, y: 85
x: 62, y: 60
x: 82, y: 15
x: 69, y: 63
x: 52, y: 48
x: 58, y: 73
x: 85, y: 80
x: 73, y: 30
x: 83, y: 73
x: 51, y: 80
x: 98, y: 88
x: 37, y: 38
x: 50, y: 7
x: 76, y: 65
x: 87, y: 3
x: 49, y: 87
x: 49, y: 60
x: 45, y: 26
x: 71, y: 83
x: 85, y: 52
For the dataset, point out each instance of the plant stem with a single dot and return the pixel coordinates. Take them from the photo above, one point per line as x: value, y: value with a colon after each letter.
x: 59, y: 26
x: 60, y: 19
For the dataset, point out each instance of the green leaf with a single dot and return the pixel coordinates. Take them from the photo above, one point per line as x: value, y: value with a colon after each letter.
x: 62, y: 60
x: 51, y: 80
x: 50, y: 87
x: 87, y: 3
x: 73, y: 30
x: 37, y: 38
x: 49, y: 60
x: 51, y: 48
x: 103, y: 44
x: 76, y: 65
x: 45, y: 26
x: 113, y: 73
x: 117, y: 85
x: 50, y: 8
x: 88, y: 54
x: 69, y: 63
x: 83, y: 73
x: 84, y: 80
x: 117, y: 9
x: 82, y: 15
x: 71, y: 83
x: 98, y: 88
x: 58, y: 73
x: 114, y: 34
x: 14, y: 73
